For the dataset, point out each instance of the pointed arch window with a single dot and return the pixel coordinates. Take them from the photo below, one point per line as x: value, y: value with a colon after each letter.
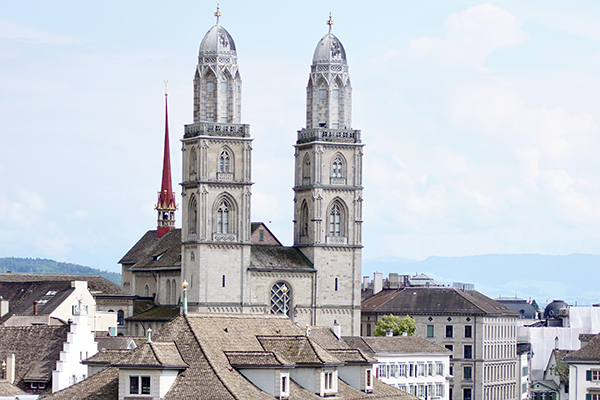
x: 335, y: 216
x: 224, y: 162
x: 306, y: 170
x: 146, y: 290
x: 173, y: 292
x: 193, y: 161
x: 168, y: 292
x: 304, y: 220
x: 280, y: 298
x: 223, y: 217
x: 193, y: 216
x: 337, y: 167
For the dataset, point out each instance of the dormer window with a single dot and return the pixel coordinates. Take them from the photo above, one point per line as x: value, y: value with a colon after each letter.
x: 330, y: 377
x: 137, y: 382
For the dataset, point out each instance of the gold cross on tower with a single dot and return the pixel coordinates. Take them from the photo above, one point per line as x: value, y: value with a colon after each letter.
x: 217, y: 13
x: 329, y: 22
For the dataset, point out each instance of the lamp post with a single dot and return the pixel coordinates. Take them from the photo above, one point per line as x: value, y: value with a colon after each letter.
x: 185, y: 285
x: 284, y: 289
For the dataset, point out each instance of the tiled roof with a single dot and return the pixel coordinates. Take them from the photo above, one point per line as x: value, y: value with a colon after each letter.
x: 586, y: 337
x: 103, y: 385
x: 269, y: 237
x: 151, y: 253
x: 298, y: 349
x: 434, y: 300
x: 239, y: 359
x: 563, y: 373
x: 118, y: 342
x: 8, y: 389
x: 98, y: 285
x: 157, y: 313
x: 106, y: 356
x: 326, y: 338
x: 352, y: 356
x: 155, y: 354
x: 588, y: 353
x: 36, y: 350
x: 208, y: 343
x: 266, y: 257
x: 394, y: 345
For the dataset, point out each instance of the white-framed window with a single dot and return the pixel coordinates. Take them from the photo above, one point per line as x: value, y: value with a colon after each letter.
x: 439, y: 389
x: 421, y: 369
x: 430, y: 369
x: 139, y: 384
x: 382, y: 371
x: 439, y: 369
x: 421, y: 391
x: 329, y: 380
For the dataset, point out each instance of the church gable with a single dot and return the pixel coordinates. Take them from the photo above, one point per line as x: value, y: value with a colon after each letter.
x: 261, y: 235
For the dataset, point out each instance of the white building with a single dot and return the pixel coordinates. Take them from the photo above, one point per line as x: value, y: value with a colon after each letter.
x: 584, y: 371
x: 410, y: 363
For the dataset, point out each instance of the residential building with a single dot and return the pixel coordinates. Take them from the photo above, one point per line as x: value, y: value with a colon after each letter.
x: 410, y: 363
x: 555, y: 382
x: 480, y: 332
x: 524, y: 370
x: 584, y: 371
x: 317, y: 280
x: 229, y: 356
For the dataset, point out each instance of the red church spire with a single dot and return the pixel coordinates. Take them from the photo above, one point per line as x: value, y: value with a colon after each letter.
x: 166, y: 197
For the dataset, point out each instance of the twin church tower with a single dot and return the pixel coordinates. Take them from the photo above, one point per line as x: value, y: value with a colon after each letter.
x: 231, y: 264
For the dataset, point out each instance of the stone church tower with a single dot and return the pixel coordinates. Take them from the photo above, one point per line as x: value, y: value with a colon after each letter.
x: 328, y: 188
x: 216, y: 183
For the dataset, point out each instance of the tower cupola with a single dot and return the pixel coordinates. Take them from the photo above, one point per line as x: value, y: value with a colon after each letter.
x: 329, y: 93
x: 217, y: 82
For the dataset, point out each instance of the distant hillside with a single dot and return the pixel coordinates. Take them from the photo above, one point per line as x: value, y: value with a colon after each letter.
x: 572, y: 278
x: 39, y: 265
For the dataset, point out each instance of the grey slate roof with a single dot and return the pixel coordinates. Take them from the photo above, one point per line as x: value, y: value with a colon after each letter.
x: 103, y: 385
x: 436, y: 301
x: 265, y: 257
x: 151, y: 253
x: 98, y: 285
x: 394, y: 345
x: 154, y: 355
x: 8, y: 389
x: 240, y: 359
x: 298, y: 349
x: 326, y: 338
x: 588, y: 353
x: 21, y: 296
x: 106, y: 357
x: 36, y: 350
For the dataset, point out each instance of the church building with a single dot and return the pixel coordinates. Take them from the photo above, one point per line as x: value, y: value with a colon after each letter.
x: 230, y: 264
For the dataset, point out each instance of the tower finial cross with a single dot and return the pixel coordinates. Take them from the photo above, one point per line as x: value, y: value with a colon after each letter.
x: 218, y: 13
x: 330, y: 22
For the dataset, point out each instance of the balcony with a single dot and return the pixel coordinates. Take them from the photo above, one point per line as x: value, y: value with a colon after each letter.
x: 329, y: 135
x: 216, y: 129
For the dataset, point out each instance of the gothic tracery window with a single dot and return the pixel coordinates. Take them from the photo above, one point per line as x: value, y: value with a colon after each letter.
x: 173, y: 292
x: 335, y: 217
x: 306, y: 170
x: 168, y: 292
x: 337, y: 167
x: 224, y: 162
x: 280, y: 298
x: 223, y: 217
x: 304, y: 220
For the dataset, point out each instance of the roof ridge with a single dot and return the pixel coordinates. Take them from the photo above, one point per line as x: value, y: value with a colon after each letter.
x: 208, y: 360
x: 464, y: 296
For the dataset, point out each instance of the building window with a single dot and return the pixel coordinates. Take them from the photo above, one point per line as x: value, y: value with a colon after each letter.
x: 174, y: 291
x: 429, y: 331
x: 145, y: 385
x: 335, y: 216
x: 193, y: 216
x: 224, y: 161
x: 440, y: 369
x: 525, y: 371
x: 304, y: 220
x: 336, y: 284
x: 223, y: 87
x: 467, y: 394
x: 328, y: 380
x: 468, y: 331
x: 120, y: 317
x: 261, y: 235
x: 368, y: 378
x: 468, y: 351
x: 193, y: 161
x: 450, y: 347
x: 168, y: 292
x: 439, y: 390
x: 223, y: 281
x: 592, y: 396
x: 336, y: 168
x: 223, y: 218
x: 592, y: 375
x: 368, y: 329
x: 280, y: 298
x: 146, y: 290
x: 210, y: 87
x: 284, y: 384
x: 322, y: 94
x: 336, y: 94
x: 467, y: 373
x: 134, y: 385
x: 306, y: 170
x: 449, y: 331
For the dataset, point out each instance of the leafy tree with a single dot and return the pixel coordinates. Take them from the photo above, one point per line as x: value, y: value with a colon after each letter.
x: 534, y: 304
x: 399, y: 325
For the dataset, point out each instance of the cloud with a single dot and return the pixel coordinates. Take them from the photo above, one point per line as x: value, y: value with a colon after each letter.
x: 472, y: 35
x: 11, y: 30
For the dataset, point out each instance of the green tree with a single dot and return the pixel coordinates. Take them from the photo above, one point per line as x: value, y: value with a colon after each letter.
x: 399, y: 325
x: 534, y: 304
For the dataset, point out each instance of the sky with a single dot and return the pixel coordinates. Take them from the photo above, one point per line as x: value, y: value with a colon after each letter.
x: 480, y: 120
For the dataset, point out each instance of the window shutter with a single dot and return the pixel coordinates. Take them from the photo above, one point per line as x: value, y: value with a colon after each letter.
x: 588, y: 375
x: 588, y: 396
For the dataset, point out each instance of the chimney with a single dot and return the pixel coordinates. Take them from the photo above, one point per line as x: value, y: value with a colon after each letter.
x: 10, y: 368
x: 35, y: 307
x: 3, y: 307
x: 377, y: 282
x: 337, y: 330
x: 149, y: 335
x: 389, y: 332
x: 365, y: 284
x: 393, y: 279
x: 556, y: 343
